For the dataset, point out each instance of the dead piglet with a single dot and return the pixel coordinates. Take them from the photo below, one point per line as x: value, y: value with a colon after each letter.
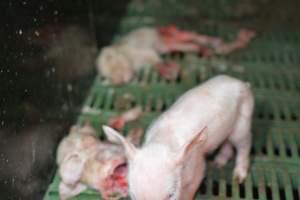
x: 84, y: 161
x: 142, y: 48
x: 72, y: 153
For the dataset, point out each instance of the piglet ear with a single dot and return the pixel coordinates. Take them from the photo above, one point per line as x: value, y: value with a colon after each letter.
x: 116, y: 137
x: 198, y: 139
x: 71, y: 168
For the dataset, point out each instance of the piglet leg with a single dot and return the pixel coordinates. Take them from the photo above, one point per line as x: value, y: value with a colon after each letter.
x: 241, y: 138
x: 224, y: 155
x: 242, y: 162
x: 207, y: 40
x: 194, y: 174
x: 178, y: 46
x: 242, y: 40
x: 174, y: 39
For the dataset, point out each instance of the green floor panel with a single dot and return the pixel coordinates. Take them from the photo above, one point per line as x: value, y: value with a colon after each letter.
x: 271, y: 64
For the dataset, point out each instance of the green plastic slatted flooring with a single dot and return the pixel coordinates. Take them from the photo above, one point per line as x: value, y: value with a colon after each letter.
x: 271, y: 64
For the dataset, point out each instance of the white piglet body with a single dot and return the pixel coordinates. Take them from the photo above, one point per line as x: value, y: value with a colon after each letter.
x: 215, y: 104
x: 171, y: 163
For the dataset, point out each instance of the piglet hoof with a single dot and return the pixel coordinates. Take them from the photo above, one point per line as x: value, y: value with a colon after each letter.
x: 240, y: 174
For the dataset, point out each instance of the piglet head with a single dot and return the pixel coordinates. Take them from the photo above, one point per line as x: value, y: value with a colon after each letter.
x: 154, y: 171
x: 115, y: 185
x: 109, y: 175
x: 114, y: 65
x: 72, y: 168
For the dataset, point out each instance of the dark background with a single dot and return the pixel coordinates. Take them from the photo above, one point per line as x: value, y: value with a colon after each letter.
x: 40, y: 97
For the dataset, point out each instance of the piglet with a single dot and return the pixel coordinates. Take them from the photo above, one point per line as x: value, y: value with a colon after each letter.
x: 171, y: 162
x: 85, y: 161
x: 119, y: 62
x: 143, y: 47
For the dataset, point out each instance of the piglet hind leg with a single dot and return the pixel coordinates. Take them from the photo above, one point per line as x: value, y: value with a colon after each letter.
x: 242, y: 160
x: 241, y: 139
x: 178, y: 46
x: 225, y: 154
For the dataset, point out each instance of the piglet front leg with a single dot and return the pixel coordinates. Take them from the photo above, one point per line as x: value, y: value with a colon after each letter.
x: 196, y: 168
